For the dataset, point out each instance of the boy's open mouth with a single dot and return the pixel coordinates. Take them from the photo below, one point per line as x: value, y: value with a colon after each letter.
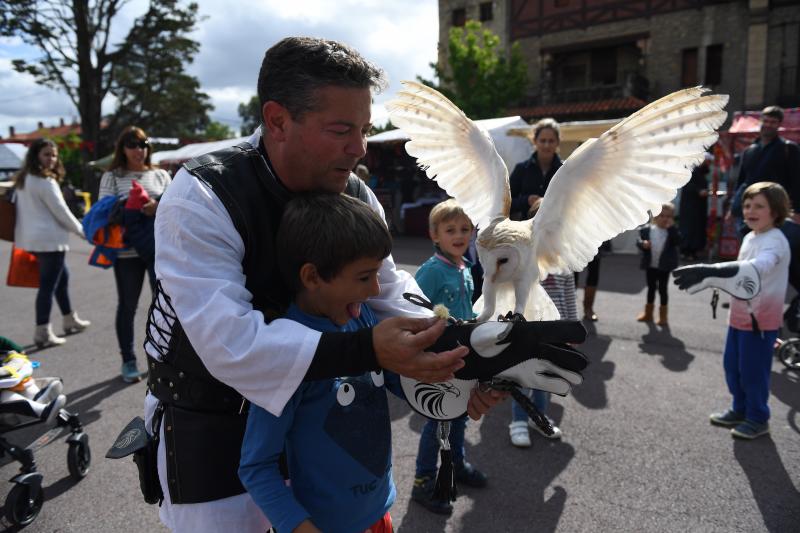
x: 354, y: 309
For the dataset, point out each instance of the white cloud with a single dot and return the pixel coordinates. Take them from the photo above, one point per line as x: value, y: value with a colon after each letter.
x: 399, y: 36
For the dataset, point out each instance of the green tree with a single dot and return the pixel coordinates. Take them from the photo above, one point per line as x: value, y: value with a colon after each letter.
x: 70, y: 155
x: 250, y: 113
x: 78, y: 58
x: 478, y: 77
x: 374, y: 130
x: 152, y: 89
x: 217, y: 131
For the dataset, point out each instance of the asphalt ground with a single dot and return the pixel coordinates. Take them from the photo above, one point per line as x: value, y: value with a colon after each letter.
x: 638, y: 453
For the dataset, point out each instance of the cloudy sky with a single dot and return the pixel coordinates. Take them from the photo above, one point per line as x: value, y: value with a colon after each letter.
x: 399, y: 35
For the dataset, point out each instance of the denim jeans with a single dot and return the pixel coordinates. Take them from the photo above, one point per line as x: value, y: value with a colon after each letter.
x: 129, y: 275
x: 541, y: 400
x: 428, y: 452
x: 747, y: 361
x: 53, y: 280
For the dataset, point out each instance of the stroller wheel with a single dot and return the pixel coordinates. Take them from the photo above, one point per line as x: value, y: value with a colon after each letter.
x: 79, y: 457
x: 23, y: 504
x: 789, y: 354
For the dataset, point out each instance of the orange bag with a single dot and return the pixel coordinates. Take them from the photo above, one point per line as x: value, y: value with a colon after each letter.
x: 23, y: 270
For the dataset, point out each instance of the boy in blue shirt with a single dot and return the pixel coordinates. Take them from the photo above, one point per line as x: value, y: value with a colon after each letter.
x: 446, y: 279
x: 336, y: 433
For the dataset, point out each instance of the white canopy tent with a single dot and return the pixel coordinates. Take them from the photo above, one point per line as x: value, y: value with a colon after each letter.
x: 190, y: 151
x: 12, y: 155
x: 512, y: 149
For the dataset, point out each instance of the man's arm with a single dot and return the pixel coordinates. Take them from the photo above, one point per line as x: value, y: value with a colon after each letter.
x: 793, y: 178
x: 198, y: 260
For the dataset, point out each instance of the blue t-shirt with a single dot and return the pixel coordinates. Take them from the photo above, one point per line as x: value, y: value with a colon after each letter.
x: 445, y: 283
x: 337, y: 437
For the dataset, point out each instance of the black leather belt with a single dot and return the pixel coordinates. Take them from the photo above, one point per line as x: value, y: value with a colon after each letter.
x: 175, y: 387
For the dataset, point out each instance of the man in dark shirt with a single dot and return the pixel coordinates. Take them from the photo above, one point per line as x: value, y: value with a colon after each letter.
x: 770, y: 158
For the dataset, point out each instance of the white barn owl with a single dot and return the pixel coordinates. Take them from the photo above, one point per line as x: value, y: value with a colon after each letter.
x: 607, y: 186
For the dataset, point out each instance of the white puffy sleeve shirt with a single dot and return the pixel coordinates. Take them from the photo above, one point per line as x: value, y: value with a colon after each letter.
x: 199, y: 263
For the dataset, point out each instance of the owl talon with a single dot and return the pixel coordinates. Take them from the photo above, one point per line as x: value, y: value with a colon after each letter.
x: 511, y: 317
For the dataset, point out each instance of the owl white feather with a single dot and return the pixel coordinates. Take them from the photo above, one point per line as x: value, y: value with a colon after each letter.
x: 606, y: 187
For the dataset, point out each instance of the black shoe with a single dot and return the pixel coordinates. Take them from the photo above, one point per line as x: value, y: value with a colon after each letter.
x: 468, y: 475
x: 422, y: 493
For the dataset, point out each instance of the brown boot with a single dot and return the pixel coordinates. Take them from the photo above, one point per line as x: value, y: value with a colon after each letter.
x: 662, y: 316
x: 588, y: 304
x: 647, y: 314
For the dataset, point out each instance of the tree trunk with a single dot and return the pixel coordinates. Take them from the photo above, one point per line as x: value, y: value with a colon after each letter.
x: 90, y: 79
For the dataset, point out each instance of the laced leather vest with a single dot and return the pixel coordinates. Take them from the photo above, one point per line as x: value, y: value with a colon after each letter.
x: 204, y: 419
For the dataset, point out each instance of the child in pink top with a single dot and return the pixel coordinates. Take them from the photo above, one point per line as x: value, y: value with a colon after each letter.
x: 749, y: 345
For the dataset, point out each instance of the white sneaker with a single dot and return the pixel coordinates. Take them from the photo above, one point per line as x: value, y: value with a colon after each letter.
x: 73, y: 323
x: 518, y: 431
x: 556, y: 430
x: 44, y: 336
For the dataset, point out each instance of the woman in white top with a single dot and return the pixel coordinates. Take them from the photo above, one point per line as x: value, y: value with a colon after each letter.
x: 132, y: 162
x: 43, y: 225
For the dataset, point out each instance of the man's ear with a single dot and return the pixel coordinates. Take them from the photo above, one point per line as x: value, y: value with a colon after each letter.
x: 276, y: 118
x: 309, y: 277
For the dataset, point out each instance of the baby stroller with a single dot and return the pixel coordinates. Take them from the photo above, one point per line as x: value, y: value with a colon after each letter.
x: 788, y: 350
x: 26, y: 497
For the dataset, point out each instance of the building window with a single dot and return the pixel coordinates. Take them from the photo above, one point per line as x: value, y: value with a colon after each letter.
x: 713, y: 64
x: 572, y: 70
x: 689, y: 67
x: 486, y: 11
x: 604, y: 66
x: 459, y: 17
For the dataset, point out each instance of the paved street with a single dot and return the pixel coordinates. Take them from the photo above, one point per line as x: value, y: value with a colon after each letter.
x: 638, y: 453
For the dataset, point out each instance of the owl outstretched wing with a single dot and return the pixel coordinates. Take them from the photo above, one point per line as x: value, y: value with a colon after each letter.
x: 453, y: 150
x: 609, y: 184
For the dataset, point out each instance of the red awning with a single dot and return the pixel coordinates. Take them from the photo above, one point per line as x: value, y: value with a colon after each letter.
x: 567, y: 109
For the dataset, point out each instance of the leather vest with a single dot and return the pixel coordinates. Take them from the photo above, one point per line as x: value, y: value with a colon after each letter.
x: 240, y: 177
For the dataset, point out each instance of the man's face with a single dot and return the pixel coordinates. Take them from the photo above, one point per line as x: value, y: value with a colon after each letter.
x: 769, y: 127
x: 322, y: 146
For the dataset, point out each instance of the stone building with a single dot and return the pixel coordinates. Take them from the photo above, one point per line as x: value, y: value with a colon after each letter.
x: 593, y: 59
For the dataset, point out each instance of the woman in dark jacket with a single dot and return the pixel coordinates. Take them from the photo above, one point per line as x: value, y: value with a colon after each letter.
x: 530, y: 179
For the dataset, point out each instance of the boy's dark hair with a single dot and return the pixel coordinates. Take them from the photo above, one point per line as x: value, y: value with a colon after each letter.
x: 773, y: 111
x: 296, y: 67
x: 329, y: 231
x: 776, y: 196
